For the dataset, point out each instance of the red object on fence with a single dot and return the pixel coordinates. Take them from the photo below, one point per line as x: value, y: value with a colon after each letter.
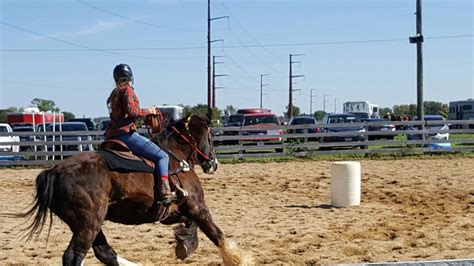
x: 27, y: 118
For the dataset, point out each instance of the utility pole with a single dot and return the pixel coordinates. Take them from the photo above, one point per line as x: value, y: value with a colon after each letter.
x: 311, y: 96
x: 291, y: 76
x: 261, y: 88
x: 324, y: 102
x: 209, y: 74
x: 209, y: 91
x: 418, y: 39
x: 213, y: 105
x: 335, y: 105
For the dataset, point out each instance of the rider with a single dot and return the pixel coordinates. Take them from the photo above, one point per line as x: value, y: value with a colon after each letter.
x: 124, y: 109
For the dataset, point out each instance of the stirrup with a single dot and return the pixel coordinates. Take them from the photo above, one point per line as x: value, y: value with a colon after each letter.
x: 180, y: 193
x: 184, y: 166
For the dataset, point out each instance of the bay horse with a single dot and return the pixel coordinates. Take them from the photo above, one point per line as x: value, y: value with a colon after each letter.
x: 83, y: 192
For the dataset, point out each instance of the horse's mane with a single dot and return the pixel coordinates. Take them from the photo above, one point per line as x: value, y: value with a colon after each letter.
x: 181, y: 123
x: 181, y: 126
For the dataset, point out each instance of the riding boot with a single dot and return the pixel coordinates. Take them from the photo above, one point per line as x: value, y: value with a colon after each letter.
x: 164, y: 195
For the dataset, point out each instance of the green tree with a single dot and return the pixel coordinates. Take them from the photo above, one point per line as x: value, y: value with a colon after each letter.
x: 319, y: 115
x: 68, y: 115
x: 384, y: 110
x: 404, y: 109
x: 201, y: 109
x: 4, y: 112
x: 296, y: 111
x: 227, y: 112
x: 45, y: 105
x: 435, y: 108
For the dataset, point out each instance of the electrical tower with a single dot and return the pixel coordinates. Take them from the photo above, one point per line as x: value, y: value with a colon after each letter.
x: 209, y: 74
x: 418, y: 40
x: 311, y: 96
x: 291, y: 76
x: 213, y: 105
x: 261, y: 88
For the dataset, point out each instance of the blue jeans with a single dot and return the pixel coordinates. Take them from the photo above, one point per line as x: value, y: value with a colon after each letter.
x: 144, y: 147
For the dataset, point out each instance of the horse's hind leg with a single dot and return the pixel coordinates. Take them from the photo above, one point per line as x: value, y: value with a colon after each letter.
x: 103, y: 251
x: 80, y: 243
x: 85, y: 227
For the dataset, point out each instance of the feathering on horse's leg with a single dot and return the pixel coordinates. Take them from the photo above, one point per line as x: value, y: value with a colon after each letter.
x: 103, y: 251
x: 230, y: 252
x: 186, y: 239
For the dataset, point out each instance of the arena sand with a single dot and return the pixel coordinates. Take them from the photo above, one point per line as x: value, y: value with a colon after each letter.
x: 412, y: 209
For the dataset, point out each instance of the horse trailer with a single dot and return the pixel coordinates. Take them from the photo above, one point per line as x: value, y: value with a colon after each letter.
x: 362, y: 109
x: 461, y: 110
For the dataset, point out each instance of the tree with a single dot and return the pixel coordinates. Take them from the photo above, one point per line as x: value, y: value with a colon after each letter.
x: 201, y: 109
x: 384, y: 110
x: 429, y: 108
x: 45, y: 105
x: 404, y: 109
x: 319, y: 115
x: 4, y: 112
x: 68, y: 115
x: 435, y: 108
x: 296, y: 111
x: 227, y: 112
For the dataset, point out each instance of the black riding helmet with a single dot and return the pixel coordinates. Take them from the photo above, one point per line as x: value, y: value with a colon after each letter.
x: 123, y: 71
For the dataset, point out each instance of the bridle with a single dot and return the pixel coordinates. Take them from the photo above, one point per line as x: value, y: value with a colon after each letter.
x: 186, y: 139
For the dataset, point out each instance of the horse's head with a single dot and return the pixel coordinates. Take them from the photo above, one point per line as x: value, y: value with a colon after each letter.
x: 195, y: 131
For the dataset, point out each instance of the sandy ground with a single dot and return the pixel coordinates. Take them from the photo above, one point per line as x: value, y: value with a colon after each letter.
x: 411, y: 209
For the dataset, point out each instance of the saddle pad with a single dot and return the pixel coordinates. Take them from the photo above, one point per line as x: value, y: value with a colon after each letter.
x: 123, y: 165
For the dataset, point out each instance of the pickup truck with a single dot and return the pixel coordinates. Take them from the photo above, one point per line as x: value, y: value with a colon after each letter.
x: 5, y: 128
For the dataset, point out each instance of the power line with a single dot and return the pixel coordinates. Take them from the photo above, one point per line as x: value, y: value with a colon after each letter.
x: 136, y: 20
x: 256, y: 56
x: 80, y: 45
x: 258, y: 43
x: 225, y: 46
x: 241, y: 68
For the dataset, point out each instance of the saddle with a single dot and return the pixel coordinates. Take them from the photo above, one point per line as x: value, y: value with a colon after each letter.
x: 118, y: 156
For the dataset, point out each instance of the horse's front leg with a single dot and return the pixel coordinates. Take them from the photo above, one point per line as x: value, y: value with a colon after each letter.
x: 185, y: 234
x: 231, y: 254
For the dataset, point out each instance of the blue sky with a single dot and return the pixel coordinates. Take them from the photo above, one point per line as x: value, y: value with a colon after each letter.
x: 65, y: 50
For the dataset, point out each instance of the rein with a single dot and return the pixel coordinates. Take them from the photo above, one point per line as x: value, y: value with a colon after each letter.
x: 193, y: 146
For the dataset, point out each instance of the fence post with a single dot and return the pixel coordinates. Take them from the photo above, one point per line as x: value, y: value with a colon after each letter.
x: 89, y: 138
x: 80, y: 145
x: 240, y: 140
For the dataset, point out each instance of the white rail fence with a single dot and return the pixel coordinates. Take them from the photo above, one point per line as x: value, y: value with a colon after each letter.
x: 43, y: 148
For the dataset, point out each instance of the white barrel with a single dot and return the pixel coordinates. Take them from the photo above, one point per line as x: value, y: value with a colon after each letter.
x: 345, y: 184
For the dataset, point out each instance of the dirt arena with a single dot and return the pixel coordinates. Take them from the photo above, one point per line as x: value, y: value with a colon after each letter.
x: 412, y: 209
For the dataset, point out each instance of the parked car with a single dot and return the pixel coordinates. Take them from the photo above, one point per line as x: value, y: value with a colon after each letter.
x: 303, y: 120
x: 266, y: 136
x: 88, y: 121
x: 5, y: 128
x: 70, y: 126
x: 104, y: 124
x: 471, y: 126
x: 24, y: 128
x: 344, y: 118
x: 235, y: 120
x: 435, y: 129
x: 383, y: 127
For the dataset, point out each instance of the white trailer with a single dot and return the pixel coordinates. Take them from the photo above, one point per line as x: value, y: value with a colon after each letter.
x: 363, y: 109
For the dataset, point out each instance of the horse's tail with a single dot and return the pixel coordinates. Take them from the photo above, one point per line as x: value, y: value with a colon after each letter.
x: 42, y: 203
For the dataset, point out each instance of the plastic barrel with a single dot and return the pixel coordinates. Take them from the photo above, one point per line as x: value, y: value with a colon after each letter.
x: 345, y: 184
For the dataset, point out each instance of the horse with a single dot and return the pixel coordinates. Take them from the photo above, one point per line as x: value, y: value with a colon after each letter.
x: 83, y: 192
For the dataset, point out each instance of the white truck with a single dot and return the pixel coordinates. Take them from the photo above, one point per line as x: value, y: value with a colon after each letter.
x: 362, y: 109
x: 5, y: 128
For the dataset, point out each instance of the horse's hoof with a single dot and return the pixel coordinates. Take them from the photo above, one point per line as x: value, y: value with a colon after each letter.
x: 181, y: 251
